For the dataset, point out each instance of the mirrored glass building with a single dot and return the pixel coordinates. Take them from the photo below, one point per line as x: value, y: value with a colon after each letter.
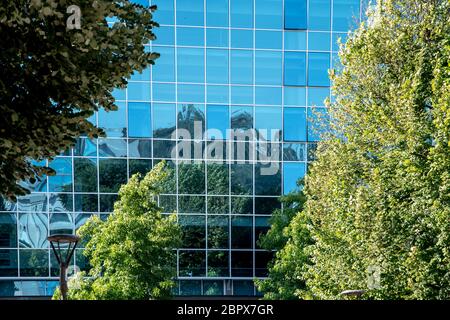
x: 232, y: 105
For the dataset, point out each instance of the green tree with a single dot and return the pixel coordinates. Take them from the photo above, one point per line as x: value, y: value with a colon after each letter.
x: 54, y: 78
x: 131, y: 253
x: 378, y: 193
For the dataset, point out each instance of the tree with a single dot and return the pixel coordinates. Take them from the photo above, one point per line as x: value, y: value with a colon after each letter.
x: 54, y: 78
x: 132, y: 253
x: 377, y: 197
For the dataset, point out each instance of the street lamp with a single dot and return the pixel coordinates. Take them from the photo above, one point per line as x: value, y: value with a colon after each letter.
x: 65, y: 247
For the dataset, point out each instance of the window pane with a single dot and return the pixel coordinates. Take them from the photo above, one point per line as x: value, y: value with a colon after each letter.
x: 141, y: 166
x: 317, y: 123
x: 190, y: 65
x: 241, y: 232
x: 192, y: 263
x: 191, y: 121
x: 191, y: 204
x: 292, y: 171
x: 265, y: 205
x: 218, y: 234
x: 218, y: 205
x: 33, y: 230
x: 164, y: 149
x: 217, y: 94
x: 318, y: 65
x: 241, y: 13
x: 190, y: 36
x: 242, y: 179
x: 139, y: 123
x: 114, y: 123
x: 62, y: 181
x: 295, y: 68
x: 191, y: 178
x: 34, y: 263
x: 164, y: 67
x: 218, y: 265
x: 85, y: 174
x: 319, y: 41
x: 112, y: 148
x: 317, y: 96
x: 86, y: 202
x: 218, y: 179
x: 165, y: 12
x: 262, y: 259
x: 241, y: 67
x: 163, y: 92
x: 295, y: 14
x: 242, y: 266
x: 294, y: 40
x: 241, y: 38
x: 218, y: 121
x: 190, y: 288
x: 268, y: 95
x: 217, y: 66
x: 217, y: 13
x: 345, y: 14
x: 194, y: 231
x: 294, y: 152
x: 217, y: 37
x: 268, y: 39
x: 112, y: 174
x: 242, y: 118
x: 268, y: 179
x: 268, y: 123
x: 139, y: 91
x: 165, y: 35
x: 262, y: 225
x: 269, y: 14
x: 191, y: 93
x: 139, y: 148
x: 190, y: 12
x: 164, y: 117
x: 268, y: 66
x: 319, y: 14
x: 294, y: 124
x: 295, y: 96
x: 8, y: 263
x: 85, y: 147
x: 8, y: 231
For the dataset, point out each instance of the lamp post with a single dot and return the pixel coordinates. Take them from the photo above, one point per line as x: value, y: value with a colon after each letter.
x: 67, y: 243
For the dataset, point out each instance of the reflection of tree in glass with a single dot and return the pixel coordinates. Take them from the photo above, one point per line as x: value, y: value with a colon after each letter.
x: 34, y: 263
x: 218, y: 264
x: 218, y: 232
x: 192, y: 263
x: 187, y: 116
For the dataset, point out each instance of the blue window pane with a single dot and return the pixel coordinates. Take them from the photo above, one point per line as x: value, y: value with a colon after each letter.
x: 217, y: 121
x: 268, y: 67
x: 217, y: 13
x: 294, y: 96
x: 190, y: 65
x: 345, y: 14
x: 139, y: 91
x: 294, y: 68
x: 268, y: 95
x: 268, y: 122
x: 62, y: 181
x: 241, y: 118
x: 165, y: 35
x: 318, y: 120
x: 217, y: 37
x: 295, y: 124
x: 241, y: 94
x: 191, y: 93
x: 217, y: 66
x: 164, y: 14
x: 316, y: 96
x: 268, y: 39
x: 269, y: 14
x: 319, y: 14
x: 190, y: 12
x: 163, y: 92
x: 241, y: 38
x: 113, y: 122
x: 217, y: 94
x: 139, y: 120
x: 190, y: 36
x: 318, y: 65
x: 319, y: 41
x: 242, y: 13
x: 144, y: 3
x: 141, y: 76
x: 164, y: 120
x: 164, y: 67
x: 292, y: 172
x: 119, y: 94
x: 338, y: 38
x: 241, y: 67
x: 295, y: 14
x: 295, y: 40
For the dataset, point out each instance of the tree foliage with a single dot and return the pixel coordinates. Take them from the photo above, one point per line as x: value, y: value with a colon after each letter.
x: 378, y: 193
x: 53, y: 78
x: 131, y: 253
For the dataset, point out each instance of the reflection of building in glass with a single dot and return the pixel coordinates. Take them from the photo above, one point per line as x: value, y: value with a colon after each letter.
x: 255, y: 67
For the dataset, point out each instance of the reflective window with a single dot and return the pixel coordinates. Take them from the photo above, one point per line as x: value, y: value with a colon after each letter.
x: 112, y: 148
x: 295, y: 14
x: 216, y: 37
x: 8, y: 260
x: 241, y: 232
x: 217, y: 267
x: 241, y: 38
x: 241, y: 118
x: 86, y: 202
x: 112, y: 174
x: 268, y: 122
x: 190, y: 36
x: 241, y: 13
x: 217, y: 66
x: 85, y: 174
x: 269, y: 39
x: 319, y: 14
x: 294, y: 68
x: 292, y: 171
x: 34, y: 263
x: 294, y: 152
x: 191, y: 93
x: 139, y: 91
x: 262, y: 259
x: 242, y: 179
x: 319, y: 41
x: 295, y: 124
x: 191, y: 204
x: 191, y: 178
x: 139, y: 123
x: 144, y: 75
x: 218, y: 205
x: 164, y: 67
x: 345, y: 14
x: 190, y: 65
x: 294, y: 40
x: 338, y: 38
x: 318, y: 65
x: 164, y: 120
x: 191, y: 121
x: 164, y: 149
x: 114, y: 123
x: 62, y: 181
x: 269, y: 14
x: 119, y: 94
x: 190, y: 288
x: 268, y: 66
x: 85, y: 147
x: 33, y: 230
x: 8, y: 230
x: 317, y: 123
x: 241, y: 94
x: 218, y: 177
x: 268, y: 179
x: 194, y: 231
x: 317, y: 96
x: 163, y: 92
x: 165, y: 12
x: 192, y: 263
x: 140, y: 148
x: 242, y: 266
x: 242, y: 205
x: 217, y: 13
x: 262, y: 225
x: 142, y: 166
x: 218, y: 232
x: 107, y: 202
x: 294, y: 96
x: 217, y: 94
x: 218, y: 124
x: 190, y: 12
x: 241, y: 67
x: 268, y: 95
x: 61, y: 223
x: 214, y: 287
x: 165, y: 35
x: 266, y: 205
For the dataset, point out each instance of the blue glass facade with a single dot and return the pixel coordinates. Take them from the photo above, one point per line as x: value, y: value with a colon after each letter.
x: 231, y: 105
